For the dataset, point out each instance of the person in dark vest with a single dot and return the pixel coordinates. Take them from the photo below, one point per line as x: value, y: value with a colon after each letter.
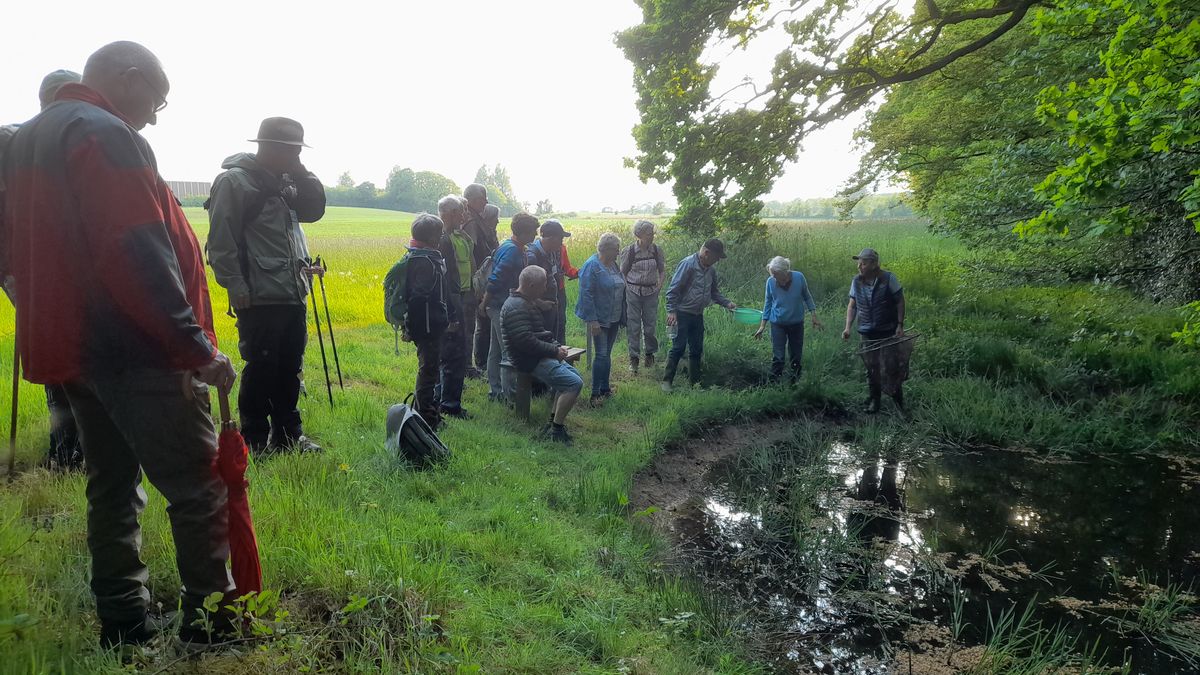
x: 546, y: 253
x: 65, y: 453
x: 112, y: 303
x: 258, y: 254
x: 482, y: 220
x: 877, y: 302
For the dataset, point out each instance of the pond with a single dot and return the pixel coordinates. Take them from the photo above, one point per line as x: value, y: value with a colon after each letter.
x: 873, y: 554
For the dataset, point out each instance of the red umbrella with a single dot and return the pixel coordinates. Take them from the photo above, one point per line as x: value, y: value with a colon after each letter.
x: 243, y: 543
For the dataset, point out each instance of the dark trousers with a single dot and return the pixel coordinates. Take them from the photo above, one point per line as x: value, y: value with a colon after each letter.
x: 786, y: 338
x: 428, y: 365
x: 483, y: 338
x: 136, y: 421
x: 470, y: 305
x: 690, y: 338
x: 65, y: 452
x: 453, y: 369
x: 874, y: 383
x: 560, y: 332
x: 271, y: 339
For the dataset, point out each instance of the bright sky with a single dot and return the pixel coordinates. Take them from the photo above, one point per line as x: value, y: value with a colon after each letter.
x: 535, y: 85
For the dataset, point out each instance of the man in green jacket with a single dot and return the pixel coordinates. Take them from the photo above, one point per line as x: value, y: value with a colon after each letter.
x: 258, y: 254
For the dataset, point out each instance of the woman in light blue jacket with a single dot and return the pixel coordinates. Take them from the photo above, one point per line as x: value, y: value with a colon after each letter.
x: 787, y: 299
x: 601, y: 305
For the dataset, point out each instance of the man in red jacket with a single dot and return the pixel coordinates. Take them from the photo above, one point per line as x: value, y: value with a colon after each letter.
x: 112, y: 303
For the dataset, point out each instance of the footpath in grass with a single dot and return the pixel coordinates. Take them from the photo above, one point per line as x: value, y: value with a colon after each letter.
x: 521, y: 555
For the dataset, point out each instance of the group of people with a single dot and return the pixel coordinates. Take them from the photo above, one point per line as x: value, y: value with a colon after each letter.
x: 114, y: 314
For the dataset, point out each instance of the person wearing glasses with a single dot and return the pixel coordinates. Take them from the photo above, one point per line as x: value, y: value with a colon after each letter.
x: 112, y: 303
x: 258, y: 254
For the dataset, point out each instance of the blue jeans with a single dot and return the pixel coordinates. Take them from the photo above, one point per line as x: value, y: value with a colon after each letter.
x: 558, y: 375
x: 602, y: 358
x: 785, y: 338
x: 690, y: 337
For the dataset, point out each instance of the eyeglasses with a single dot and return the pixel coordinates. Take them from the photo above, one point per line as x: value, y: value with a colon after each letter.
x: 161, y: 106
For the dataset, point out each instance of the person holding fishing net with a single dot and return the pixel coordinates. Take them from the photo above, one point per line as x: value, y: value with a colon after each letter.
x: 877, y: 302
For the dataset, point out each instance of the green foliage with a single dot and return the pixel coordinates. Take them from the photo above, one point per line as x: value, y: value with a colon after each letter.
x: 1134, y: 132
x: 722, y: 152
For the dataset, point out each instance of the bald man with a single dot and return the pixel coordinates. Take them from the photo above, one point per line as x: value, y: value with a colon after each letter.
x: 112, y: 303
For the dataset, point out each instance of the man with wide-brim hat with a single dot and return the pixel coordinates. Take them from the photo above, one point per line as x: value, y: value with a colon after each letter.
x: 258, y: 254
x: 877, y: 302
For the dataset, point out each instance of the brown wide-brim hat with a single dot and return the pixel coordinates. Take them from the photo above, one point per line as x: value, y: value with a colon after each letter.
x: 281, y: 130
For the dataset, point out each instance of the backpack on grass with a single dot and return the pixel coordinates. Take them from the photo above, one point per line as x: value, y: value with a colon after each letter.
x: 411, y: 438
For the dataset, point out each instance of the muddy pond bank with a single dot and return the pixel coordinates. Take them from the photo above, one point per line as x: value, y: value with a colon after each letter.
x: 865, y: 549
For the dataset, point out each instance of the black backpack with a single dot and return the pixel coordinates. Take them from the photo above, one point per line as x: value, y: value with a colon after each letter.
x: 410, y: 437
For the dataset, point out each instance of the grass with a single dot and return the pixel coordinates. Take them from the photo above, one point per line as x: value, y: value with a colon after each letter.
x: 519, y: 556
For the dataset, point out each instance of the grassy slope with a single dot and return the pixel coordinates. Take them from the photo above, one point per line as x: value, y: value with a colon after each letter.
x: 519, y: 555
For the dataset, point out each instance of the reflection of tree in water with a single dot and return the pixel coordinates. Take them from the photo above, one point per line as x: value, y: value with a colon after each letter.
x: 1081, y: 517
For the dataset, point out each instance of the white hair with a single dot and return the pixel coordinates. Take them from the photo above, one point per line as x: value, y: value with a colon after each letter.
x: 779, y: 264
x: 531, y: 274
x: 450, y: 203
x: 642, y: 228
x: 608, y: 241
x: 474, y: 190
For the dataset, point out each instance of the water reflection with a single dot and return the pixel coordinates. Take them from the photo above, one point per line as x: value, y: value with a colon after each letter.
x: 789, y: 535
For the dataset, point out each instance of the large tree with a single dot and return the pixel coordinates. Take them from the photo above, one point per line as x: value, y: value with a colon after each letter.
x: 722, y: 152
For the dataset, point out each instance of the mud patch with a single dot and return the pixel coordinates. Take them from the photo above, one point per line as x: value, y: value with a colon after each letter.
x: 678, y: 474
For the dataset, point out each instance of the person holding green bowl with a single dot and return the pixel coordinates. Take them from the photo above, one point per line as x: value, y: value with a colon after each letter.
x: 787, y: 300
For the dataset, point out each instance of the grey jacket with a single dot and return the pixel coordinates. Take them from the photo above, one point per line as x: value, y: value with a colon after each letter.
x: 255, y: 244
x: 693, y: 287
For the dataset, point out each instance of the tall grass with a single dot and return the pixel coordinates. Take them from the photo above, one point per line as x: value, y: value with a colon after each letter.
x: 521, y: 549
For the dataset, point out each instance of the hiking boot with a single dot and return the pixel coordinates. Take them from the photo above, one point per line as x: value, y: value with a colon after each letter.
x: 458, y: 412
x: 474, y: 373
x: 558, y: 434
x: 633, y: 364
x: 597, y: 400
x: 217, y: 628
x: 666, y: 387
x: 649, y: 360
x: 132, y: 633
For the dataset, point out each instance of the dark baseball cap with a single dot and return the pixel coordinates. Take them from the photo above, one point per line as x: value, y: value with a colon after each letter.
x: 553, y: 228
x: 716, y: 247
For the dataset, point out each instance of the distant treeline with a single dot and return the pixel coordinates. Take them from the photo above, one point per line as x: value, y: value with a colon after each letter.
x: 417, y: 191
x: 872, y: 207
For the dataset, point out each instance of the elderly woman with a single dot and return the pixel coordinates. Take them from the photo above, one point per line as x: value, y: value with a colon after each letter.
x: 644, y: 267
x: 787, y: 300
x: 600, y: 305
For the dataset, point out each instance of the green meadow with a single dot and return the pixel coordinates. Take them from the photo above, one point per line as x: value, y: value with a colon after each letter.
x: 524, y: 556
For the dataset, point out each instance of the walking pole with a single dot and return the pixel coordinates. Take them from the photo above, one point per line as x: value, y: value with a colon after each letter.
x: 12, y: 429
x: 320, y: 340
x: 329, y: 322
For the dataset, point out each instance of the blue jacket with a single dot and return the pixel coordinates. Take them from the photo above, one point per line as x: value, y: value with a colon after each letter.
x: 786, y: 306
x: 507, y: 263
x: 601, y: 290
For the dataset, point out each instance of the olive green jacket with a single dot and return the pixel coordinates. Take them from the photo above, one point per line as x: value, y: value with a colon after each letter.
x: 255, y: 243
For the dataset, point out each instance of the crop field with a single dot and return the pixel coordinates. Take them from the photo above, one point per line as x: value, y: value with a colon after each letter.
x: 524, y: 556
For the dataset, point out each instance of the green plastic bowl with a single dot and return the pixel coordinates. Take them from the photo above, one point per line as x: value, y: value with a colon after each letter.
x: 747, y: 316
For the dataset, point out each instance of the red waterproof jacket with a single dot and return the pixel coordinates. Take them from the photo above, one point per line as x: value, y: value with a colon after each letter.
x: 108, y: 273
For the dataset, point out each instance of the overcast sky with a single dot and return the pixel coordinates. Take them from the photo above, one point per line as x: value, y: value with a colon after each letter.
x: 536, y: 85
